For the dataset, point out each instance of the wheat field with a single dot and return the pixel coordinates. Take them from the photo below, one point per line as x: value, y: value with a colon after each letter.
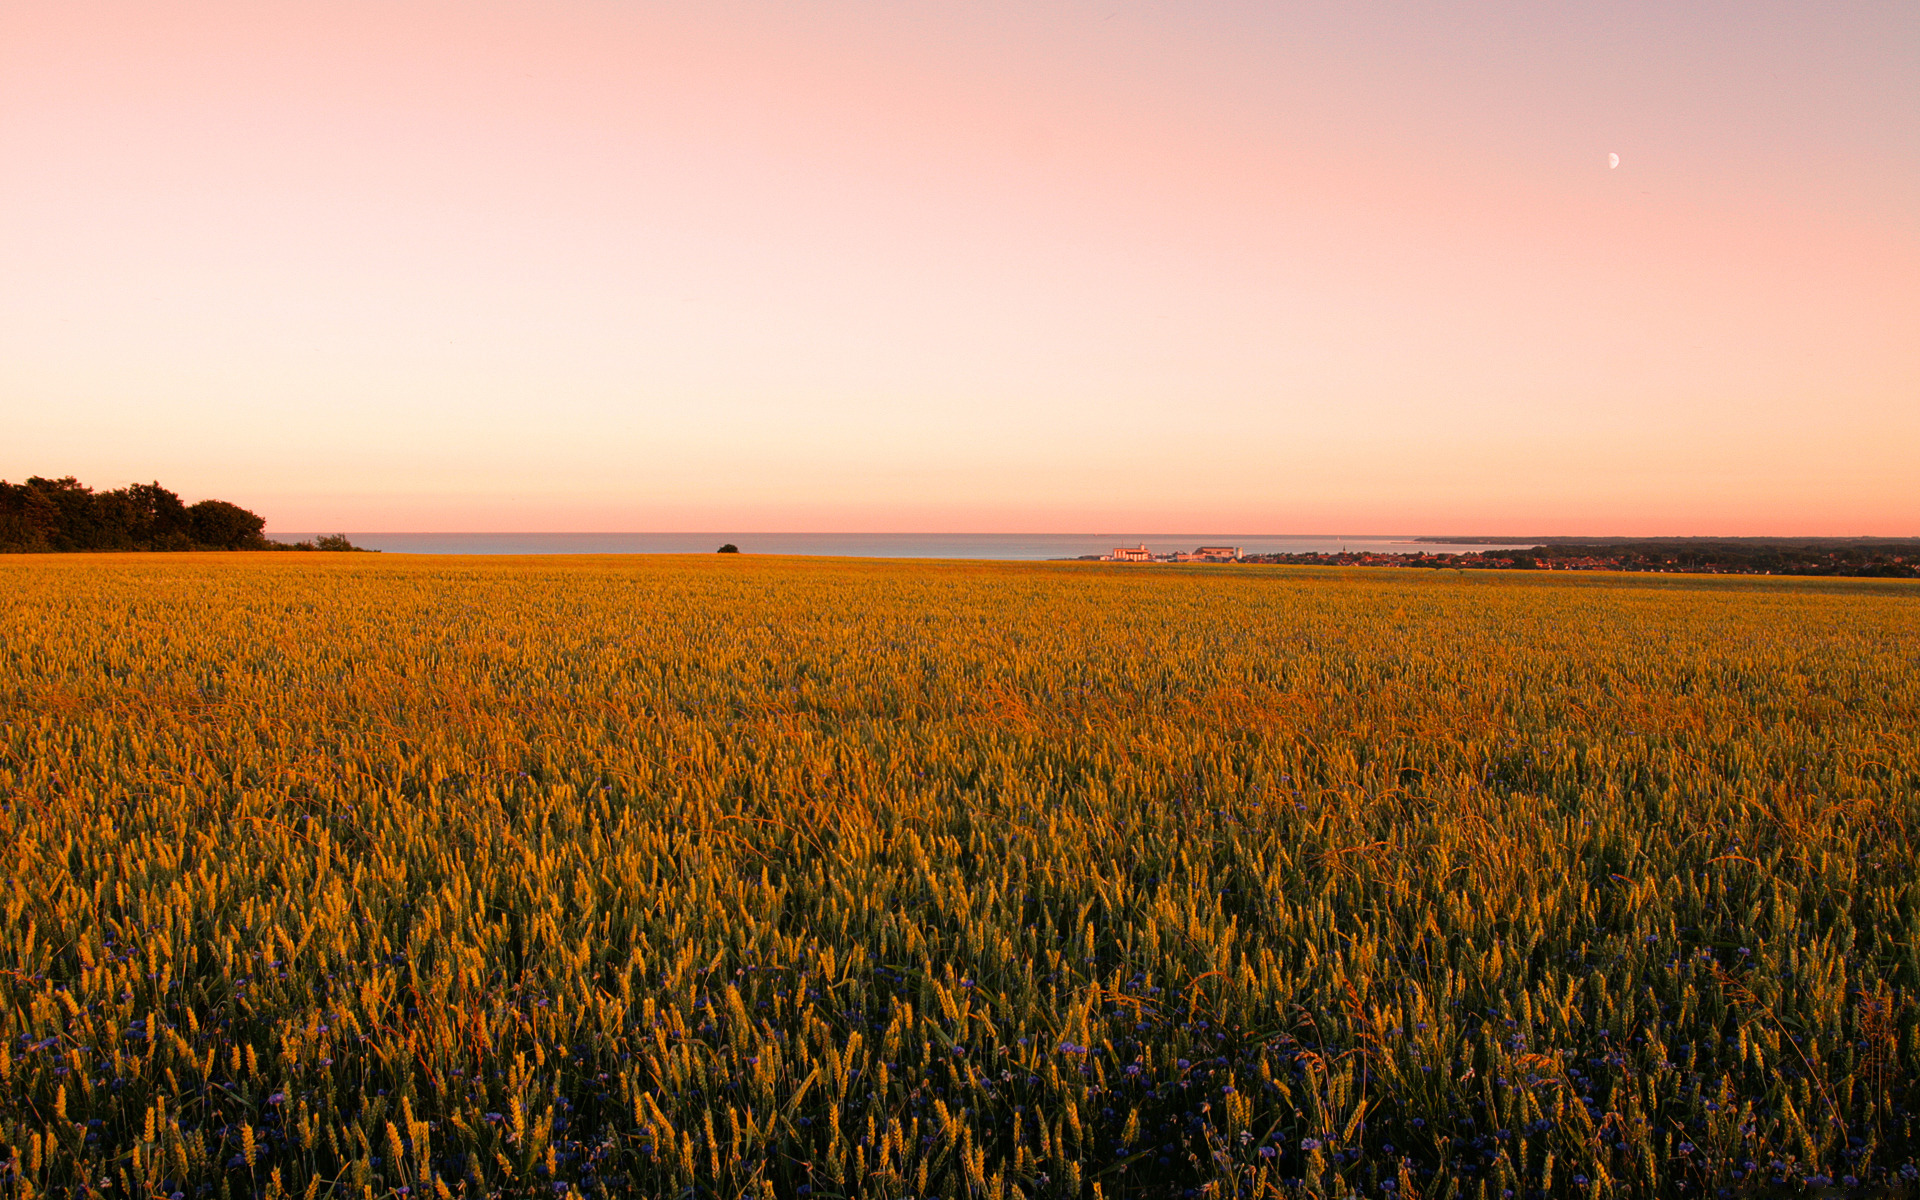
x: 371, y: 876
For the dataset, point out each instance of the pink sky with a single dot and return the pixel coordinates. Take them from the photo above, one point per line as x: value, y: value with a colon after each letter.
x: 980, y: 266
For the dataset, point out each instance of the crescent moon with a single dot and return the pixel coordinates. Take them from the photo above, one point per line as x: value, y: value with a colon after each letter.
x: 1613, y: 160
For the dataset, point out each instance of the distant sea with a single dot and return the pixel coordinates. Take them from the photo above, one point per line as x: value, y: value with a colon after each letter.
x: 1010, y: 546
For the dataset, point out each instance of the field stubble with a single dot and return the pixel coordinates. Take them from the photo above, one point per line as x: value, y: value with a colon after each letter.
x: 769, y: 877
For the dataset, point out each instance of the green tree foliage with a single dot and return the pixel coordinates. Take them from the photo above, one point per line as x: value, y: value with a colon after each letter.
x: 227, y: 526
x: 153, y: 516
x: 43, y: 515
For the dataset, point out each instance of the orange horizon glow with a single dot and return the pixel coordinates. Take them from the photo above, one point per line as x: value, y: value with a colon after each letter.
x: 851, y: 267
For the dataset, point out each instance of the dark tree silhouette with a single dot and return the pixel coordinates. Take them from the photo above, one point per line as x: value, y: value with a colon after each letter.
x: 225, y: 526
x: 155, y: 518
x: 43, y: 515
x: 30, y: 520
x: 729, y: 548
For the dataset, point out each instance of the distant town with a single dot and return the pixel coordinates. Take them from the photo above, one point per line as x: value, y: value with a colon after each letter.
x: 1140, y: 553
x: 1856, y: 557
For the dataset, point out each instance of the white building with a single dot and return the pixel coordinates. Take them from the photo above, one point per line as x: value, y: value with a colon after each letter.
x: 1138, y: 553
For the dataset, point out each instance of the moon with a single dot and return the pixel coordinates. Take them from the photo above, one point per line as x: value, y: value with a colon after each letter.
x: 1613, y: 161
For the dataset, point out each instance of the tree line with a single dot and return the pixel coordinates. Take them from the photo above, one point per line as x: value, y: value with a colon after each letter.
x: 64, y: 515
x: 1866, y: 557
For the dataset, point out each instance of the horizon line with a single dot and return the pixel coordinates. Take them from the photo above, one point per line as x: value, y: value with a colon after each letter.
x: 737, y: 532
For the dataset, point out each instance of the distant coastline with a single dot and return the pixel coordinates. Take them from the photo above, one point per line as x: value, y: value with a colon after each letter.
x: 1032, y: 547
x: 1886, y: 558
x: 1682, y: 541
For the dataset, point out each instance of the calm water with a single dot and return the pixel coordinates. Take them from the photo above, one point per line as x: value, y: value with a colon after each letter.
x: 868, y: 545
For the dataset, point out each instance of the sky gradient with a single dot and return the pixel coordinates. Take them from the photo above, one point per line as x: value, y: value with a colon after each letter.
x: 982, y: 266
